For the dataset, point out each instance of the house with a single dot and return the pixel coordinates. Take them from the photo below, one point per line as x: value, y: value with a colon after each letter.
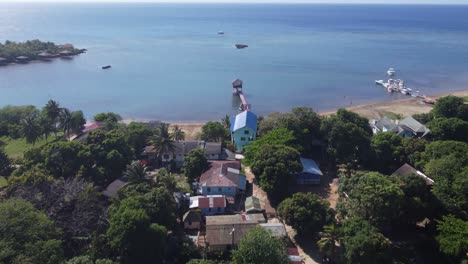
x: 222, y: 178
x: 192, y: 219
x: 407, y: 169
x: 86, y: 131
x: 225, y: 231
x: 211, y: 150
x: 252, y: 205
x: 409, y: 124
x: 408, y: 127
x: 311, y: 173
x: 113, y: 189
x: 209, y: 205
x: 243, y: 129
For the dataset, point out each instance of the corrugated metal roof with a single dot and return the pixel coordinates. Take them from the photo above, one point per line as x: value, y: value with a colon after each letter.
x: 414, y: 125
x: 223, y: 174
x: 277, y: 229
x: 244, y: 119
x: 408, y: 169
x: 252, y: 203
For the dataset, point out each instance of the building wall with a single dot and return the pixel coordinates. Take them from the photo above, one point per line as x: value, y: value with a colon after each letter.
x: 242, y: 137
x: 212, y: 211
x: 192, y: 225
x: 228, y: 191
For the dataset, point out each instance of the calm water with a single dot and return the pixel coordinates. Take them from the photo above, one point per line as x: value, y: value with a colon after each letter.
x: 168, y: 63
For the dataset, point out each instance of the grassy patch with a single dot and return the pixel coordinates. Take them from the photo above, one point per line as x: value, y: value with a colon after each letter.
x: 3, y: 182
x: 465, y: 98
x: 15, y: 148
x: 392, y: 115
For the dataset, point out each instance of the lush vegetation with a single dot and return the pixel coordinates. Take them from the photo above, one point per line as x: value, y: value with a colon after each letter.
x: 31, y: 49
x: 52, y: 208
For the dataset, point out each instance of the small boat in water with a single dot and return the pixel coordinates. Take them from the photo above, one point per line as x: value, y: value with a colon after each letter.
x: 241, y: 46
x: 391, y: 72
x: 220, y: 33
x: 106, y: 67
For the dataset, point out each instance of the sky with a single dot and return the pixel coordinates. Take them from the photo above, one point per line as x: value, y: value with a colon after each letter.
x: 261, y: 1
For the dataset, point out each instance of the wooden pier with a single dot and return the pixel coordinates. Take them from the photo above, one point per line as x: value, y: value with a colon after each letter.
x: 237, y: 90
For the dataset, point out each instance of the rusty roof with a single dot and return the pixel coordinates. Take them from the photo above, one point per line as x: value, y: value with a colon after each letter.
x: 212, y: 201
x: 221, y: 173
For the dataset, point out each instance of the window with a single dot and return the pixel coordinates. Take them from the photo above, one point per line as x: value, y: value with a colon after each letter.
x: 250, y: 138
x: 190, y: 222
x: 242, y: 138
x: 219, y: 209
x: 246, y: 132
x: 208, y: 189
x: 229, y: 188
x: 166, y: 156
x: 209, y: 209
x: 220, y: 189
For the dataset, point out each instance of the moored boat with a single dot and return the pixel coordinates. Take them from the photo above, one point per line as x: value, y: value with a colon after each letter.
x: 391, y: 72
x: 106, y: 67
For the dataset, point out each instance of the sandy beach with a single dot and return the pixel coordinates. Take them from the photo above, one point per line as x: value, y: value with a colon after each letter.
x: 403, y: 107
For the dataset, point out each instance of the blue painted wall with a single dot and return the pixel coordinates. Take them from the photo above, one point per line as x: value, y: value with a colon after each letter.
x: 241, y: 138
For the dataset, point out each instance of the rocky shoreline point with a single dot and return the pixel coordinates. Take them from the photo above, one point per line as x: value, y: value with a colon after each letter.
x: 35, y: 50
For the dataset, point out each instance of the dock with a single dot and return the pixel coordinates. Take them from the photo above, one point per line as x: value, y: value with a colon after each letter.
x: 237, y: 90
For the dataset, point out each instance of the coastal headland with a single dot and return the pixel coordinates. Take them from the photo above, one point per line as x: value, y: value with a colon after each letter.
x: 403, y: 107
x: 23, y: 52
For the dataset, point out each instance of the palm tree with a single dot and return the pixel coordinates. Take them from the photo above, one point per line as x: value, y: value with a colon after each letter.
x: 30, y: 129
x: 162, y: 140
x: 52, y: 111
x: 329, y: 239
x: 177, y: 133
x: 226, y: 121
x: 65, y: 121
x: 136, y: 172
x: 47, y: 126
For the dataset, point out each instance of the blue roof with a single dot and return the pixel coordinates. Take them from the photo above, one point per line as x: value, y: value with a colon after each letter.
x: 244, y: 119
x: 309, y: 166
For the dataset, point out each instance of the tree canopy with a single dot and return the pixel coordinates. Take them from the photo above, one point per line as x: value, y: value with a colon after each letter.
x: 195, y: 163
x: 305, y: 212
x: 452, y: 237
x: 258, y: 246
x: 214, y: 131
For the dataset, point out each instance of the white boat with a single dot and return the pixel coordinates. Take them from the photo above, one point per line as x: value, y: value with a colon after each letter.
x: 391, y: 72
x: 380, y: 82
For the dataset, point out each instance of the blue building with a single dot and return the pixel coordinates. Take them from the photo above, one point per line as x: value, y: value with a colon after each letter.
x: 222, y: 178
x: 243, y: 129
x: 310, y: 174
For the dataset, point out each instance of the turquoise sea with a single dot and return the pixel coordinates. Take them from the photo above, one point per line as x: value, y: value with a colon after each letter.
x: 169, y: 63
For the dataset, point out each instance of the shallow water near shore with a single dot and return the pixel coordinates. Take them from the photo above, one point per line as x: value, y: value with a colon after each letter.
x: 169, y: 63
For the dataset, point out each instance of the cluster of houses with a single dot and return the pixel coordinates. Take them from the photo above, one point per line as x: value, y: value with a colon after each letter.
x: 407, y: 127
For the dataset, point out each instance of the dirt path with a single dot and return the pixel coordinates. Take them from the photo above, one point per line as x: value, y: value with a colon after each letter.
x: 260, y: 194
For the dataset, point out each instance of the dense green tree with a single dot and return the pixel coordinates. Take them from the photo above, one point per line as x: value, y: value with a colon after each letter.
x: 305, y: 212
x: 423, y: 118
x: 348, y: 136
x: 447, y: 106
x: 136, y: 172
x: 374, y: 197
x: 65, y: 121
x: 31, y: 129
x: 77, y: 122
x: 201, y: 261
x: 452, y: 237
x: 88, y: 260
x: 280, y: 136
x: 388, y: 150
x: 303, y: 122
x: 214, y: 131
x: 132, y: 235
x: 110, y: 116
x: 166, y: 180
x: 180, y: 249
x: 259, y: 246
x: 47, y: 126
x: 195, y: 164
x: 137, y: 135
x: 52, y: 112
x: 449, y: 129
x: 363, y: 244
x: 27, y: 235
x: 439, y: 149
x: 273, y: 166
x: 450, y: 175
x: 30, y: 48
x: 412, y: 149
x: 64, y: 159
x: 5, y: 164
x: 177, y: 133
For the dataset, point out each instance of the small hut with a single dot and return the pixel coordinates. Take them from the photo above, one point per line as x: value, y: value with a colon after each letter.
x: 66, y: 46
x: 192, y: 219
x: 252, y: 205
x: 22, y: 59
x: 44, y: 56
x: 237, y: 86
x: 65, y: 53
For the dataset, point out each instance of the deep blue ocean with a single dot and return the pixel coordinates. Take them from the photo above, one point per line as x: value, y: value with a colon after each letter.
x: 169, y: 63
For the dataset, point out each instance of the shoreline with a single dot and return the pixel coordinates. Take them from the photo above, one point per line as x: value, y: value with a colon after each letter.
x: 373, y: 110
